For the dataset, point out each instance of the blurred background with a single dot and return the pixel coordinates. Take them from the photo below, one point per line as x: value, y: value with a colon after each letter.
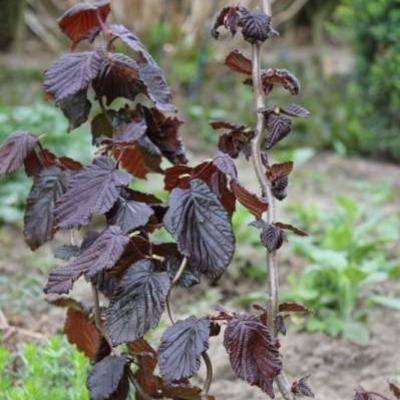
x: 345, y: 190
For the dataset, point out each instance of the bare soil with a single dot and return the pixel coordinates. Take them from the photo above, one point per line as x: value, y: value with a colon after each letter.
x: 336, y: 366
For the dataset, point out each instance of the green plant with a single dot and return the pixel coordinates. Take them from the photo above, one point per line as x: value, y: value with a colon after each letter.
x: 375, y: 33
x: 55, y: 370
x: 352, y: 248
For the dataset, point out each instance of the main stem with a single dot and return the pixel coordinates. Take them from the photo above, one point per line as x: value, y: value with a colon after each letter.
x: 265, y: 185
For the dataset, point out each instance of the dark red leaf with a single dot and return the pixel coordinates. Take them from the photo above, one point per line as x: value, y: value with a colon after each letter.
x: 49, y: 159
x: 295, y: 110
x: 253, y: 352
x: 147, y: 361
x: 278, y: 127
x: 184, y: 393
x: 181, y: 347
x: 238, y: 62
x: 108, y: 378
x: 163, y: 131
x: 276, y: 76
x: 225, y: 164
x: 103, y: 350
x: 395, y: 390
x: 271, y: 236
x: 229, y: 18
x: 15, y: 150
x: 148, y: 356
x: 201, y: 227
x: 82, y: 332
x: 72, y: 73
x: 249, y: 200
x: 256, y: 26
x: 138, y: 302
x: 101, y: 255
x: 236, y: 139
x: 291, y: 228
x: 39, y: 220
x: 301, y: 388
x: 278, y: 176
x: 140, y: 159
x: 82, y: 21
x: 293, y: 307
x: 94, y: 190
x: 174, y: 176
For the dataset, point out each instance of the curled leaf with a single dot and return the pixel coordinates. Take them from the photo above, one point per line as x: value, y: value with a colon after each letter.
x: 249, y: 200
x: 256, y: 26
x: 301, y: 388
x: 84, y: 20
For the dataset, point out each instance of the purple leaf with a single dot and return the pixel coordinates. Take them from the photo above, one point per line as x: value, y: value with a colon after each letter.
x: 76, y: 109
x: 108, y: 378
x: 94, y: 190
x: 253, y: 352
x: 129, y: 214
x: 39, y: 214
x: 294, y: 110
x: 225, y: 164
x: 138, y: 302
x: 102, y: 255
x: 181, y: 347
x: 72, y: 73
x: 278, y: 127
x: 201, y: 227
x: 15, y: 150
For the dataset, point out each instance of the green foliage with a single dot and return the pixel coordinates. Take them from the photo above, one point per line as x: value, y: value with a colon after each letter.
x: 375, y: 33
x: 54, y: 371
x: 38, y: 118
x: 349, y: 248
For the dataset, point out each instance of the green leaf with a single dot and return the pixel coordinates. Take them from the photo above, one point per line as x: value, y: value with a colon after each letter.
x: 389, y: 302
x: 356, y: 332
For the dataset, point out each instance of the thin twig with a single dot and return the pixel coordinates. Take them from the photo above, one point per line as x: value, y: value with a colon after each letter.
x: 273, y: 281
x: 209, y: 376
x: 175, y: 280
x: 97, y: 316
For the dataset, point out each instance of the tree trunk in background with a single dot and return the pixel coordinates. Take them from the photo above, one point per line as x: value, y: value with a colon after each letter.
x: 11, y: 19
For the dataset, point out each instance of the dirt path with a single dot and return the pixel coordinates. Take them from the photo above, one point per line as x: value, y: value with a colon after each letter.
x: 336, y: 366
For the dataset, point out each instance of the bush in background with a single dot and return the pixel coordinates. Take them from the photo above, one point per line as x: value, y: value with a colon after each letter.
x: 374, y: 27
